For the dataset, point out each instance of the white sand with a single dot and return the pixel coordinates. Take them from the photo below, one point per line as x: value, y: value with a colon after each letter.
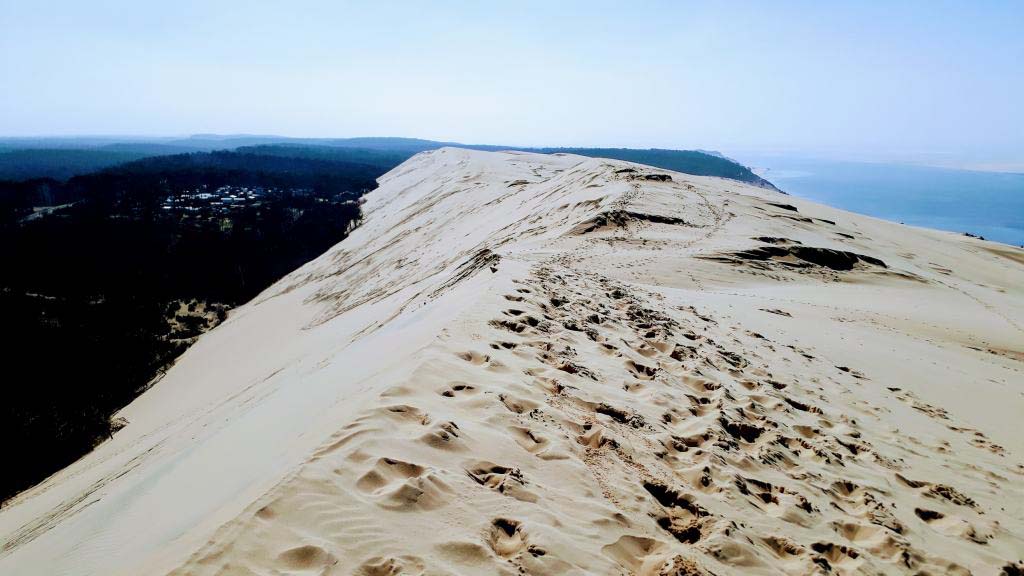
x: 490, y: 377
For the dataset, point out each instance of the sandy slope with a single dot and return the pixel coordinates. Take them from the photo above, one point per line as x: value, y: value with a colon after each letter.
x: 526, y: 364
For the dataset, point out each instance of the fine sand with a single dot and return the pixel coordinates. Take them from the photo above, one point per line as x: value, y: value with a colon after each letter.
x: 528, y: 364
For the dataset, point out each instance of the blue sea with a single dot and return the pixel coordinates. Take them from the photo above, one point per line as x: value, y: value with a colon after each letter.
x: 989, y: 204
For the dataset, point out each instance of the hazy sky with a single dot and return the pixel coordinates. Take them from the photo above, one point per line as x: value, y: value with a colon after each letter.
x: 860, y: 77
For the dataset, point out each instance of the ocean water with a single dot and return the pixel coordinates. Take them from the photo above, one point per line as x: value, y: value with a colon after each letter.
x: 989, y: 204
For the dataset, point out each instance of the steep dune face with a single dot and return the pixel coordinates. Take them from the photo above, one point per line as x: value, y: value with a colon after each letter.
x: 561, y: 365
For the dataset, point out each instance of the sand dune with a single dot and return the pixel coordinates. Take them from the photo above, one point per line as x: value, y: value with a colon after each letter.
x: 528, y: 364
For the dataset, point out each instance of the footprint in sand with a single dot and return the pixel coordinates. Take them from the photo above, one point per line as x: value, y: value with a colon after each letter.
x: 458, y: 389
x: 643, y: 556
x: 506, y: 537
x: 502, y: 479
x: 391, y: 566
x: 402, y: 486
x: 306, y: 559
x: 444, y: 436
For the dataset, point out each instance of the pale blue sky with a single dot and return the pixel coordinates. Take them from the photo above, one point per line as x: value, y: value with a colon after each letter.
x: 856, y: 77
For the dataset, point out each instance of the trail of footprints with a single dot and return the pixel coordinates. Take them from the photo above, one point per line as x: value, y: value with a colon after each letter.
x: 667, y: 422
x: 724, y: 408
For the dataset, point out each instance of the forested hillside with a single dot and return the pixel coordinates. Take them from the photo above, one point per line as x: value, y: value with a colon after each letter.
x: 100, y: 296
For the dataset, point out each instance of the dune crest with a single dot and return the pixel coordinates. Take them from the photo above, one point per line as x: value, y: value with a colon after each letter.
x: 530, y: 364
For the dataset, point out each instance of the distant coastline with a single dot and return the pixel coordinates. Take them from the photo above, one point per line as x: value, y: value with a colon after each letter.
x: 986, y: 204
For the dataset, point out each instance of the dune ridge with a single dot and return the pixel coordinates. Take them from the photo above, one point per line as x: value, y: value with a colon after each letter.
x: 534, y: 364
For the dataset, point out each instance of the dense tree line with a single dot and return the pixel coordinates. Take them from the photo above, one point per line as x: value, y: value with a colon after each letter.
x: 60, y: 164
x: 102, y: 295
x: 685, y: 161
x: 61, y: 158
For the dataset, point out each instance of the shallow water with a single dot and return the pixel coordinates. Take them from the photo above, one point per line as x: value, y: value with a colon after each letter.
x: 989, y: 204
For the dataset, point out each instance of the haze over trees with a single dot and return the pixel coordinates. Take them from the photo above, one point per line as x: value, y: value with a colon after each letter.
x: 61, y: 158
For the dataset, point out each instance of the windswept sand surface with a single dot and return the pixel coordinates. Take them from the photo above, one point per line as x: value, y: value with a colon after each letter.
x: 527, y: 364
